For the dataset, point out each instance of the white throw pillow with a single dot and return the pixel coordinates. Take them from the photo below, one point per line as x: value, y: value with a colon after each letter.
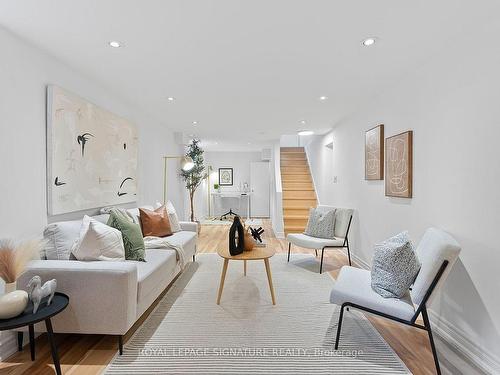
x: 321, y: 223
x: 395, y: 266
x: 98, y: 241
x: 172, y: 216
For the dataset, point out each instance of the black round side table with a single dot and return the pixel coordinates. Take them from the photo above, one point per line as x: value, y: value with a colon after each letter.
x: 27, y: 318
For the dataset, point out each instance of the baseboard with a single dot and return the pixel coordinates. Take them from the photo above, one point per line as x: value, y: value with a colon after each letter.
x: 462, y: 346
x: 360, y: 262
x: 280, y: 235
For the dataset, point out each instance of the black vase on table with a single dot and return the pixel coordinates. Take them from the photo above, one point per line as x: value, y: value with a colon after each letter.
x: 236, y: 243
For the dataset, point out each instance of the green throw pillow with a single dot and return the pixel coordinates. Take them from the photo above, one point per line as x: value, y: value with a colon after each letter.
x: 131, y: 233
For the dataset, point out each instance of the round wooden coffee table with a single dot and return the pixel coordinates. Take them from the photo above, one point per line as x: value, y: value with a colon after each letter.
x: 258, y: 253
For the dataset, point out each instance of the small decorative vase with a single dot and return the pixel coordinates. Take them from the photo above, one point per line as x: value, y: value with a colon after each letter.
x: 12, y: 304
x: 249, y: 242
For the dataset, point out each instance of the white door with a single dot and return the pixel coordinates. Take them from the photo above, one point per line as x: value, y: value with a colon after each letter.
x: 260, y: 188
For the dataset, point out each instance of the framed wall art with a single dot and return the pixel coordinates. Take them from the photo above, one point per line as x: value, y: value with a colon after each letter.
x: 374, y: 153
x: 91, y: 155
x: 399, y: 165
x: 226, y: 176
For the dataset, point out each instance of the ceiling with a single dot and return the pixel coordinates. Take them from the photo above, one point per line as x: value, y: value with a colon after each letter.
x: 246, y: 71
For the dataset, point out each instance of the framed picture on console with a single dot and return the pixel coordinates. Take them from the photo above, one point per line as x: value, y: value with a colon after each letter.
x: 374, y: 153
x: 226, y: 176
x: 399, y: 165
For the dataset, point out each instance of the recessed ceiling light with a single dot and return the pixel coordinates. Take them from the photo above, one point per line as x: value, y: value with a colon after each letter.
x: 369, y: 42
x: 302, y: 121
x: 305, y: 132
x: 170, y: 98
x: 115, y: 44
x: 195, y: 123
x: 323, y: 98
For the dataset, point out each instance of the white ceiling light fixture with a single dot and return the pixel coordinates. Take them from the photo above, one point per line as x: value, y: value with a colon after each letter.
x: 305, y: 132
x: 115, y: 44
x: 303, y: 122
x: 369, y: 41
x: 195, y: 123
x: 323, y: 98
x: 170, y: 98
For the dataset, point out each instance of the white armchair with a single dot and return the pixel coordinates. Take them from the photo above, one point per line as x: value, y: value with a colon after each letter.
x: 437, y: 252
x: 343, y: 218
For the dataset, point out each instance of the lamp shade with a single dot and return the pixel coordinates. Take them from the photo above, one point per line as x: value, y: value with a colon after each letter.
x: 187, y: 163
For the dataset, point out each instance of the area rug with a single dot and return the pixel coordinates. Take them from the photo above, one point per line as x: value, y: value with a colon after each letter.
x: 188, y: 333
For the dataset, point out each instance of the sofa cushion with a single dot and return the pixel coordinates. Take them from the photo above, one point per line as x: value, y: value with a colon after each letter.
x: 158, y: 267
x: 155, y: 223
x: 354, y: 285
x: 185, y: 239
x: 60, y: 237
x: 303, y: 240
x: 131, y: 233
x: 98, y: 241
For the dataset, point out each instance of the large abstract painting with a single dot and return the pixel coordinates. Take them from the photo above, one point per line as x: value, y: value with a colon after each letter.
x: 91, y: 155
x: 399, y: 165
x: 374, y: 153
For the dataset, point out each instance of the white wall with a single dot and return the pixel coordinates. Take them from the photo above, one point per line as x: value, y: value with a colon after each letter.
x: 240, y: 162
x: 24, y: 73
x: 452, y: 105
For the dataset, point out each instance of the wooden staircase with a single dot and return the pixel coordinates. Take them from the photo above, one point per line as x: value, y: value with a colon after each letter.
x: 298, y: 189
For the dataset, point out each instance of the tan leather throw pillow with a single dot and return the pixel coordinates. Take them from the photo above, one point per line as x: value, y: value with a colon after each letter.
x: 155, y: 223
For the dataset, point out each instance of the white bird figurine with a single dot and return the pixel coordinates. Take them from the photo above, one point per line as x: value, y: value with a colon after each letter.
x: 36, y: 291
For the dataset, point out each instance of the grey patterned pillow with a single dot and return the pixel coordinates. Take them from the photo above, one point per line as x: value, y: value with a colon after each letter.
x: 395, y: 266
x: 321, y: 223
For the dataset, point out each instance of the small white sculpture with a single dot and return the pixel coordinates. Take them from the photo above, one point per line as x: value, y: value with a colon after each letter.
x: 36, y: 291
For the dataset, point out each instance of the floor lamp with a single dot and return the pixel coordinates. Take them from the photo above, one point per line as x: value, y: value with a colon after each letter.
x: 186, y: 165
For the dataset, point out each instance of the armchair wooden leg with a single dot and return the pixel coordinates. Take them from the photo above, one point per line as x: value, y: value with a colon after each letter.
x: 289, y: 247
x: 316, y: 252
x: 427, y: 324
x: 339, y: 327
x: 321, y: 264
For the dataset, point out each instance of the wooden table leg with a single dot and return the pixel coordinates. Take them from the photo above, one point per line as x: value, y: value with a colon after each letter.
x: 222, y: 278
x: 32, y: 341
x: 270, y: 279
x: 245, y: 267
x: 53, y: 348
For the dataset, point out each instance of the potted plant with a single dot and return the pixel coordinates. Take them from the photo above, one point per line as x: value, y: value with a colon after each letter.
x: 195, y: 176
x: 217, y: 187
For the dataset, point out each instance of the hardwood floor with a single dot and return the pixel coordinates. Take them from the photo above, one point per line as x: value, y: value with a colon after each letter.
x: 90, y: 354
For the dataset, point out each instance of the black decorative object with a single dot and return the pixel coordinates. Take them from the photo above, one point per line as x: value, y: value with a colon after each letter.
x: 120, y: 193
x: 58, y: 183
x: 82, y: 139
x: 236, y: 243
x: 256, y: 233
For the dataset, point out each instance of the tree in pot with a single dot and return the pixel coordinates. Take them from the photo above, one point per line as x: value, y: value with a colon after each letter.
x: 194, y: 177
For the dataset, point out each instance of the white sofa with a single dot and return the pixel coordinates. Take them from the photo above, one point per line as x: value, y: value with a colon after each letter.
x: 106, y: 297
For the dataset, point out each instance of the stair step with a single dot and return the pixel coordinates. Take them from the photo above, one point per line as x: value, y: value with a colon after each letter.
x: 299, y: 203
x: 299, y: 194
x: 295, y: 170
x: 295, y: 229
x: 295, y: 222
x: 298, y: 188
x: 296, y: 178
x: 292, y: 149
x: 293, y: 156
x: 293, y: 163
x: 289, y: 211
